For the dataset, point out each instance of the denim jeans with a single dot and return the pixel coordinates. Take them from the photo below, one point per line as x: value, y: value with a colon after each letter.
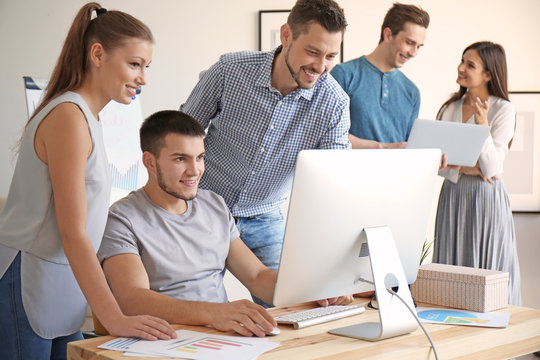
x: 17, y: 339
x: 263, y: 234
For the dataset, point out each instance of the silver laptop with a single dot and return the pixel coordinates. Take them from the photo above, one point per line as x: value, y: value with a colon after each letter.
x: 462, y: 143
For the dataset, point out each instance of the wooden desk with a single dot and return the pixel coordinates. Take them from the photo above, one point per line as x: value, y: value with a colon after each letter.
x: 522, y: 336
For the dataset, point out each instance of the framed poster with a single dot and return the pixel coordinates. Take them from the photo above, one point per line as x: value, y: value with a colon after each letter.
x: 270, y: 22
x: 522, y: 164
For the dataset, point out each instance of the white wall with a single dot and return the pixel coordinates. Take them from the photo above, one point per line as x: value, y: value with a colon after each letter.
x: 191, y: 34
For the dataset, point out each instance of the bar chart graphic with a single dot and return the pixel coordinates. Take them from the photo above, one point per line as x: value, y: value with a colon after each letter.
x: 121, y: 343
x: 194, y: 345
x: 210, y: 343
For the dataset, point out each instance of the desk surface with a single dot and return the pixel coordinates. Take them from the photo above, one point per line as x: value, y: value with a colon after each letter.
x: 522, y: 336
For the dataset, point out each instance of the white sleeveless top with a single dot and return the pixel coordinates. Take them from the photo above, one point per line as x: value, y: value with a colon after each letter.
x: 52, y: 299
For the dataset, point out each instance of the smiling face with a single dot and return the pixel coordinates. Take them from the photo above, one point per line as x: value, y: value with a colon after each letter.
x: 123, y: 69
x: 311, y: 54
x: 404, y: 45
x: 471, y: 72
x: 180, y: 165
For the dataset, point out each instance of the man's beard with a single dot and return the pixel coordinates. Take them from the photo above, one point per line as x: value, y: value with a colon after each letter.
x: 164, y: 187
x: 291, y: 71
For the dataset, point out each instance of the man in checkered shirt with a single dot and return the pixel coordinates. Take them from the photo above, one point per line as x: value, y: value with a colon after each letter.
x: 261, y: 109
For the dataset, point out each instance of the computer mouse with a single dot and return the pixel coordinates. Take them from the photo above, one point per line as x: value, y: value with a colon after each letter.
x: 275, y: 331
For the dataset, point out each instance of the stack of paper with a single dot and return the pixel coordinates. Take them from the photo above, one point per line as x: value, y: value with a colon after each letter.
x: 194, y: 345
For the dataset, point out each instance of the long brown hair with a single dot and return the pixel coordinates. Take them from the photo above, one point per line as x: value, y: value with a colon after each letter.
x: 494, y: 62
x: 110, y: 28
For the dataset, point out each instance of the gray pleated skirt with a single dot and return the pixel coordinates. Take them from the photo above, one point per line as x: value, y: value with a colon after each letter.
x: 475, y: 228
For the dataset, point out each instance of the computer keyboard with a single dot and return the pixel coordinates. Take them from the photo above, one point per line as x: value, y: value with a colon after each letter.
x: 319, y: 315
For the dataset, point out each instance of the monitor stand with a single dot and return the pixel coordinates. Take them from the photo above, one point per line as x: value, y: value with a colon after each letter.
x: 395, y: 318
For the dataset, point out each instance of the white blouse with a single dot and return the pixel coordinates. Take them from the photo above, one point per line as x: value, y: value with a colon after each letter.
x: 502, y: 120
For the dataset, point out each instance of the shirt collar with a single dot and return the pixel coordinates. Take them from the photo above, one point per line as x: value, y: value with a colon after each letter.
x: 376, y: 69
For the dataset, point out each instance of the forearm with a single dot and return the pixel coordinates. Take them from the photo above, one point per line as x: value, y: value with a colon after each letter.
x: 175, y: 311
x: 358, y: 143
x: 91, y: 280
x: 491, y: 158
x: 263, y: 285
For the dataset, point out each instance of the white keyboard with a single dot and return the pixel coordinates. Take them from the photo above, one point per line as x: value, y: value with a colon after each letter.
x: 319, y: 315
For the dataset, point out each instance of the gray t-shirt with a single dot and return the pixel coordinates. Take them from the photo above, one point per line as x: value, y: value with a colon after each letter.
x: 184, y: 255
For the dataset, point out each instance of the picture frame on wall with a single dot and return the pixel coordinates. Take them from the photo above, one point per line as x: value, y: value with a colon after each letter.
x: 521, y: 173
x: 270, y: 22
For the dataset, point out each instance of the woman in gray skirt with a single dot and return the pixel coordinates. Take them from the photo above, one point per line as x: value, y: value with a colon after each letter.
x: 474, y: 225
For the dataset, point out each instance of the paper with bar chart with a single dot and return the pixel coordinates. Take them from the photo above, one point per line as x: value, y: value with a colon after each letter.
x: 463, y: 317
x: 195, y: 345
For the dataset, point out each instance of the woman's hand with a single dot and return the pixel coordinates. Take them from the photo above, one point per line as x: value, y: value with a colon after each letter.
x: 480, y: 110
x: 476, y: 171
x: 141, y: 326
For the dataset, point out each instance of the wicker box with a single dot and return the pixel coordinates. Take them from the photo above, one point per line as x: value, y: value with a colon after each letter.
x: 461, y: 287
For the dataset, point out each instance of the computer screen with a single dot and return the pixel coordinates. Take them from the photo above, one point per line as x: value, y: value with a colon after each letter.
x: 335, y: 195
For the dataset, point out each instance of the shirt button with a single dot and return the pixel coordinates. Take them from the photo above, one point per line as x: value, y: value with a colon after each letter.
x: 262, y: 149
x: 271, y: 127
x: 253, y: 173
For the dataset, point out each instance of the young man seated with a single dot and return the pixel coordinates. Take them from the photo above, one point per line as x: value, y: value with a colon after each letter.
x: 166, y: 245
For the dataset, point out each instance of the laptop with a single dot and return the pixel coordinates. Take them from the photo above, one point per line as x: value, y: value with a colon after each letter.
x: 462, y: 143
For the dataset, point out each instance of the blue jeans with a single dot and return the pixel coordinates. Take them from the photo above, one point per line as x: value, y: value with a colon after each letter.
x: 17, y: 339
x: 263, y: 234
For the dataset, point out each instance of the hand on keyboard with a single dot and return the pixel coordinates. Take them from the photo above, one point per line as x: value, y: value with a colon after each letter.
x: 342, y: 300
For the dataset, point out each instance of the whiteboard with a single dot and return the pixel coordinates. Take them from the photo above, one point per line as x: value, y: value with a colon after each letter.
x: 121, y: 124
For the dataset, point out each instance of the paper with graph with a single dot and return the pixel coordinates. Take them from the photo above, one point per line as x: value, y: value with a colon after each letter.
x: 463, y: 317
x: 195, y: 345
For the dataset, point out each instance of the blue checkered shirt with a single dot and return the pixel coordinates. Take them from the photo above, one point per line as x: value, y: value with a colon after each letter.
x: 255, y: 133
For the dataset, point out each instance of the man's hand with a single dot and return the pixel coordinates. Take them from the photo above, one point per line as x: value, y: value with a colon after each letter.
x: 241, y: 316
x: 342, y: 300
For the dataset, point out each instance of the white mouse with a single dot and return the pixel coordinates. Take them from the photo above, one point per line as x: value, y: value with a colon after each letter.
x: 275, y: 331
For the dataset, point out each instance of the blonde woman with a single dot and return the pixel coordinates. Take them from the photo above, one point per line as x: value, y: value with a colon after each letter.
x: 56, y: 210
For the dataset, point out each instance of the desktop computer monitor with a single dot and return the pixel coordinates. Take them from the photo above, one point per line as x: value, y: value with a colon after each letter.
x: 335, y: 195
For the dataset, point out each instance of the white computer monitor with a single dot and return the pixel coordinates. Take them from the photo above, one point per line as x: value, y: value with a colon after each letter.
x: 335, y: 195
